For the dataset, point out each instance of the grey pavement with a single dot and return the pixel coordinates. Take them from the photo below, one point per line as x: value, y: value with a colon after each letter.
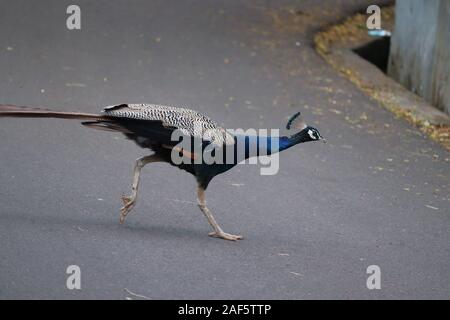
x: 376, y: 194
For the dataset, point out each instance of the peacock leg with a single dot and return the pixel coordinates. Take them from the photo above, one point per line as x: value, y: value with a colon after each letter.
x: 130, y: 201
x: 218, y: 232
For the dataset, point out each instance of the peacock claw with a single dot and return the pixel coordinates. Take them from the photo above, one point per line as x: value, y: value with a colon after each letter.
x: 126, y: 200
x: 128, y: 205
x: 225, y: 236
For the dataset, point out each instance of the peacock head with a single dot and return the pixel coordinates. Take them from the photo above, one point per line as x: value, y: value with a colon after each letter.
x: 313, y: 134
x: 306, y: 133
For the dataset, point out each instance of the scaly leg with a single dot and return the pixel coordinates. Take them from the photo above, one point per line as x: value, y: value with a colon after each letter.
x: 130, y: 201
x: 218, y: 232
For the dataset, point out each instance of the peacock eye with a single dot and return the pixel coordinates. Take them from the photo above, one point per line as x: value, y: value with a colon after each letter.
x: 313, y: 134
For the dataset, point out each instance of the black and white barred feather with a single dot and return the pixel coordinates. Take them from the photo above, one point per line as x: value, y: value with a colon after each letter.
x: 188, y: 121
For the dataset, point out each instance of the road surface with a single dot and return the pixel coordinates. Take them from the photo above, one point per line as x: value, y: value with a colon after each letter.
x: 376, y: 194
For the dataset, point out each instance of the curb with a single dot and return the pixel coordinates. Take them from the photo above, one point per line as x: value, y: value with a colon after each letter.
x: 336, y: 44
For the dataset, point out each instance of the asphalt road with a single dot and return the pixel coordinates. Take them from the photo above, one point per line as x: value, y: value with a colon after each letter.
x: 376, y: 194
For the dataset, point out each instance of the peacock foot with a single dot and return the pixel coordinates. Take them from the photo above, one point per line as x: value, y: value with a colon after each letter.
x: 225, y: 236
x: 128, y: 204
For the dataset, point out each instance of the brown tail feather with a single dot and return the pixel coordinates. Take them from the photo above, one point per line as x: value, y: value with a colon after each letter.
x: 27, y: 112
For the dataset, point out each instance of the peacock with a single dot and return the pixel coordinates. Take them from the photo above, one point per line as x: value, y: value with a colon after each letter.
x: 153, y: 127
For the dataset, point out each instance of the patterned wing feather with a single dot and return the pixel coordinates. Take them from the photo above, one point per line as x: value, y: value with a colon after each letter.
x: 190, y: 122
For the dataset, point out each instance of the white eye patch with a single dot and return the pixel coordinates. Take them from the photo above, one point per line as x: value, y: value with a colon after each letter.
x: 311, y: 134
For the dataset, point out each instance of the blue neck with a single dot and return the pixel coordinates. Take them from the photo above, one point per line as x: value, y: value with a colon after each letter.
x: 300, y: 137
x: 267, y: 145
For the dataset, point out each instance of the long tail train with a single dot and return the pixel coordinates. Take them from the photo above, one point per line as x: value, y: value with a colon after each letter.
x: 95, y: 121
x: 28, y: 112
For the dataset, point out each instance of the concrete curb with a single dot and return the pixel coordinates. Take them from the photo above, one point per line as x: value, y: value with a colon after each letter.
x: 336, y: 44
